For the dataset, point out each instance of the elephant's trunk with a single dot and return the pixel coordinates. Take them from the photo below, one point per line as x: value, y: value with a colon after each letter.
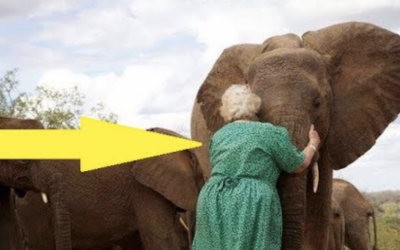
x: 343, y: 233
x: 375, y: 233
x: 292, y: 190
x: 61, y: 216
x: 297, y: 201
x: 10, y: 237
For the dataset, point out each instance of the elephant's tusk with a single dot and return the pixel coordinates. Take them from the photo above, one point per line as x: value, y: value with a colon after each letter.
x: 315, y: 173
x: 44, y: 198
x: 183, y: 224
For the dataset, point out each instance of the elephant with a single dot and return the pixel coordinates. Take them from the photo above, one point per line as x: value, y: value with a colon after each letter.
x: 98, y: 209
x: 344, y: 79
x: 357, y: 214
x: 336, y: 227
x: 33, y: 217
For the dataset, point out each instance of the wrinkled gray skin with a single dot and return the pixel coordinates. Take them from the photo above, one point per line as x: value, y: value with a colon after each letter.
x: 10, y: 234
x: 336, y: 227
x: 357, y: 214
x: 98, y: 209
x: 33, y: 220
x: 345, y: 79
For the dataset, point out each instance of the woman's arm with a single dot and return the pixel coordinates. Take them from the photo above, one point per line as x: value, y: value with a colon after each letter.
x: 309, y: 150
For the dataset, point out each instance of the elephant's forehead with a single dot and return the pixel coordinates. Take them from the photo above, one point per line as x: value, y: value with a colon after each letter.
x: 289, y: 60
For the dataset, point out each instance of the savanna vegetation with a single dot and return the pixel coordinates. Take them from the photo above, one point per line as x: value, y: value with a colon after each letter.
x: 387, y: 208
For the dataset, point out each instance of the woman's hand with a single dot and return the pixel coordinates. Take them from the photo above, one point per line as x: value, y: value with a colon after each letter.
x: 310, y: 149
x: 314, y: 137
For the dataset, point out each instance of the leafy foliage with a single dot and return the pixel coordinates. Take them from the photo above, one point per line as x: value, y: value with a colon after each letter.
x: 52, y: 107
x: 9, y: 94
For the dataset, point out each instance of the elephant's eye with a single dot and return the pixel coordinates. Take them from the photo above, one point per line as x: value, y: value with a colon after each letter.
x: 369, y: 213
x: 316, y: 103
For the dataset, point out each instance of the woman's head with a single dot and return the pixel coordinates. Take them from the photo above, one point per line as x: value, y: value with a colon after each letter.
x: 239, y: 102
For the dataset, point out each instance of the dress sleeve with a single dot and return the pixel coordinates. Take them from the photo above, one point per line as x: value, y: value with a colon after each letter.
x: 286, y: 155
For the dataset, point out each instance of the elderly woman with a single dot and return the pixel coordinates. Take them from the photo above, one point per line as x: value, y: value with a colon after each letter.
x: 239, y: 206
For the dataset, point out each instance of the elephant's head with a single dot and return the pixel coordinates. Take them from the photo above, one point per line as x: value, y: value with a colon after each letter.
x: 13, y: 174
x: 176, y: 176
x: 16, y: 173
x: 345, y: 79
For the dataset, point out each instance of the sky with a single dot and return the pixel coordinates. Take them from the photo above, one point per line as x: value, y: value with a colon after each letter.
x: 146, y: 59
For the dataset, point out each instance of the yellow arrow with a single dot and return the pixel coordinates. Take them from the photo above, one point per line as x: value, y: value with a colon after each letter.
x: 97, y: 144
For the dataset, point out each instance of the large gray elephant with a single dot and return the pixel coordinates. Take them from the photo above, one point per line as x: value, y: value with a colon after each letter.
x: 96, y: 209
x: 345, y: 79
x: 336, y: 227
x: 357, y: 214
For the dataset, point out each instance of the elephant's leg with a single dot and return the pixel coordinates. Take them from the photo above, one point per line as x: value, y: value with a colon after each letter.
x: 130, y: 242
x: 60, y: 213
x: 158, y: 221
x: 10, y: 234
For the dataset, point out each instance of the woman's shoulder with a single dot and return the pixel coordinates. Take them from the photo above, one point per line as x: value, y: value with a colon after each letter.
x: 271, y: 130
x: 270, y: 127
x: 263, y: 127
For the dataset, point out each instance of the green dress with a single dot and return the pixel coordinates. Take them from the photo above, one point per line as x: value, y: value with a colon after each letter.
x: 239, y: 207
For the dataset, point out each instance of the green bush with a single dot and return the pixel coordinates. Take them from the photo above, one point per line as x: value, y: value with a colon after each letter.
x: 389, y: 227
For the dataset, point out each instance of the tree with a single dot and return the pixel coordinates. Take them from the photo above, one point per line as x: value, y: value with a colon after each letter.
x: 54, y: 108
x: 9, y: 94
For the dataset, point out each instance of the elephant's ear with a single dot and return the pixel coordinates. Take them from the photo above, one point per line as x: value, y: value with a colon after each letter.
x: 173, y: 176
x: 230, y: 68
x: 365, y: 80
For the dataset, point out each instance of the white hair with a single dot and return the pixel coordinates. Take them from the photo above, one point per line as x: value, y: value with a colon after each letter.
x: 239, y: 102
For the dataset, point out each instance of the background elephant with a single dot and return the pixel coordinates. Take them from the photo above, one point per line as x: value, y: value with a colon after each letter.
x: 336, y: 227
x: 96, y: 209
x: 345, y: 79
x: 33, y: 218
x: 357, y: 214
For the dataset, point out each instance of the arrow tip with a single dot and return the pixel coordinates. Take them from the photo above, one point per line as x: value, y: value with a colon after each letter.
x: 106, y: 144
